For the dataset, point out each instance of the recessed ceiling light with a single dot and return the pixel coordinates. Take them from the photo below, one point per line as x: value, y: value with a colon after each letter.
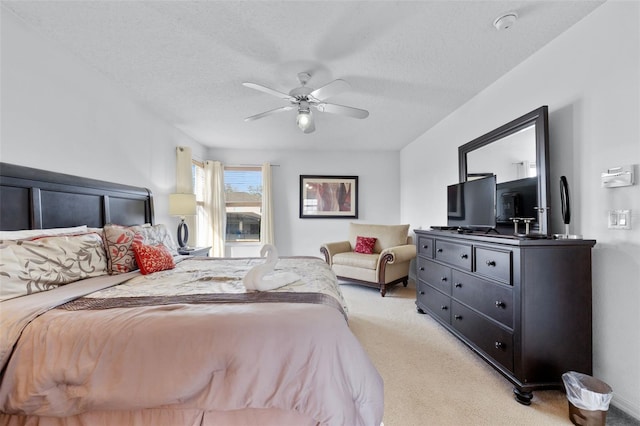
x: 505, y: 21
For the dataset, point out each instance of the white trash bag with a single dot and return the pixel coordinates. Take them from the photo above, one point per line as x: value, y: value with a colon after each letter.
x: 586, y: 392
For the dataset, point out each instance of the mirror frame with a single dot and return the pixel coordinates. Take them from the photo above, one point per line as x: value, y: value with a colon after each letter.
x: 540, y: 118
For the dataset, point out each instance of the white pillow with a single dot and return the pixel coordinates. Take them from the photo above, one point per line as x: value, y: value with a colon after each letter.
x: 30, y: 233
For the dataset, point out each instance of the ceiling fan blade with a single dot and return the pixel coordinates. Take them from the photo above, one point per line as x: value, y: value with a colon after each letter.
x: 328, y: 90
x: 343, y: 110
x: 273, y: 111
x: 268, y: 90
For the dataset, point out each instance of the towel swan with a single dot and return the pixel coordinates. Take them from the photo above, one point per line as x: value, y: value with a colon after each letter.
x: 257, y: 278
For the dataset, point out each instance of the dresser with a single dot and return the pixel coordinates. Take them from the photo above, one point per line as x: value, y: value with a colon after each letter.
x: 524, y: 306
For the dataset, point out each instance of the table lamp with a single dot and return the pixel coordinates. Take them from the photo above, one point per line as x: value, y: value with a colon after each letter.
x: 182, y: 205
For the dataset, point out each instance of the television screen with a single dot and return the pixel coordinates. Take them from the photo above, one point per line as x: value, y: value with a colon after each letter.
x: 472, y: 204
x: 516, y: 198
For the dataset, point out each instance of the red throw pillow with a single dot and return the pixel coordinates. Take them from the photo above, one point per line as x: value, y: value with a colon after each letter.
x: 152, y: 258
x: 365, y: 244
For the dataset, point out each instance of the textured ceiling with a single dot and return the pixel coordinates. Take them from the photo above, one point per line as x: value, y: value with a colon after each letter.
x: 410, y: 64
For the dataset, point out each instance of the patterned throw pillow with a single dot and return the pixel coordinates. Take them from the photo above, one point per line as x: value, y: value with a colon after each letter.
x: 117, y: 242
x: 152, y: 258
x: 159, y: 234
x: 365, y: 244
x: 30, y: 266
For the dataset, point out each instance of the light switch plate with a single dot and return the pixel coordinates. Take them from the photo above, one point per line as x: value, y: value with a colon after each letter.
x: 619, y: 219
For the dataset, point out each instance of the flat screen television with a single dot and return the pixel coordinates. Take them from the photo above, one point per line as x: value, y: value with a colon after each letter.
x: 471, y: 205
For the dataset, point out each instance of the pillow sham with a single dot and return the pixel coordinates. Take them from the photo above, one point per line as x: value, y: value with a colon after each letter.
x: 31, y: 233
x: 159, y: 234
x: 117, y: 243
x: 365, y: 244
x: 152, y: 258
x: 30, y: 266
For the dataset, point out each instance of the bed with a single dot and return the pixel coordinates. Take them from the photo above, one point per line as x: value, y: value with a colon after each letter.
x: 185, y: 345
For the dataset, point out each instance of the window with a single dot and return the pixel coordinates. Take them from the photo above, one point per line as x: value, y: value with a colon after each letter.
x: 197, y: 169
x: 243, y: 195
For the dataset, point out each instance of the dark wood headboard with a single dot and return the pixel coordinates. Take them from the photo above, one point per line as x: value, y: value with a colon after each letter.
x: 36, y: 199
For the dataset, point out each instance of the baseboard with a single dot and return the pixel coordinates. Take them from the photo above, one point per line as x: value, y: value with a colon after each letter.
x: 626, y: 406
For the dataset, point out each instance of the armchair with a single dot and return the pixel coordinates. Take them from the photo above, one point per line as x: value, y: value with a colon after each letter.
x: 387, y: 265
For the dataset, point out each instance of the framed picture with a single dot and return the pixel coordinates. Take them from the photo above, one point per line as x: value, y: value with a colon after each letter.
x: 328, y: 197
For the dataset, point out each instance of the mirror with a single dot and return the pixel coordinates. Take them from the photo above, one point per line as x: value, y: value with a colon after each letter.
x: 517, y: 154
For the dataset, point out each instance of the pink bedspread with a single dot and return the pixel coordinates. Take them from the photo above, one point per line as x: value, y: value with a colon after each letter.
x: 194, y: 358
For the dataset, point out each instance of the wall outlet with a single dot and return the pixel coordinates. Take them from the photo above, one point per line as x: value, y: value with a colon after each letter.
x: 619, y: 219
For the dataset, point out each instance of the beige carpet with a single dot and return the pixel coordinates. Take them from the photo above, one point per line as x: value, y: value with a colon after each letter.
x: 430, y: 377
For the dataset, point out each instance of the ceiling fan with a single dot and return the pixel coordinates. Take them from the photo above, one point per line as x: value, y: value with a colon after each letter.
x: 304, y: 98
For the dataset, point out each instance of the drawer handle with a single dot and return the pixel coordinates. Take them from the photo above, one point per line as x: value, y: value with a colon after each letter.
x: 439, y: 250
x: 422, y: 292
x: 443, y: 279
x: 464, y: 256
x: 491, y: 263
x: 425, y: 246
x: 458, y: 285
x: 500, y: 304
x: 499, y: 345
x: 422, y: 268
x: 458, y: 317
x: 444, y: 307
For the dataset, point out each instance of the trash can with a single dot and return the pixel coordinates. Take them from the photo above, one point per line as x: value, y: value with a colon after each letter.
x: 588, y: 399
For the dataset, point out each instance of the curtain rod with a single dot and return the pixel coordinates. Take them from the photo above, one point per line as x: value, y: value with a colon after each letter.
x: 248, y: 165
x: 234, y: 165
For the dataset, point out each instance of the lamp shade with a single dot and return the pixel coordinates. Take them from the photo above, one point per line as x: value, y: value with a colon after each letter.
x: 182, y: 204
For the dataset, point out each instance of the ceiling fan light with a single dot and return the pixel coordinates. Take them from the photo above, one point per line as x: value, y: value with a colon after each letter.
x: 304, y: 119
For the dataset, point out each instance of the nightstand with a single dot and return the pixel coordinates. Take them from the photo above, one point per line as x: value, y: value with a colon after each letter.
x: 195, y: 251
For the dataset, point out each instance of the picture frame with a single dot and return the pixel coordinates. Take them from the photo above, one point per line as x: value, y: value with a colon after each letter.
x: 328, y: 197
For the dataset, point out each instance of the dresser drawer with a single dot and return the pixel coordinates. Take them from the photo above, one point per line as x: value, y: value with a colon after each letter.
x: 494, y: 300
x: 455, y: 254
x: 490, y: 338
x: 425, y: 246
x: 435, y: 302
x: 495, y: 264
x: 438, y: 276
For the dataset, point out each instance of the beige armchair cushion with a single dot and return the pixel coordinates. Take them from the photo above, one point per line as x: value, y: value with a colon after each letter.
x: 358, y: 260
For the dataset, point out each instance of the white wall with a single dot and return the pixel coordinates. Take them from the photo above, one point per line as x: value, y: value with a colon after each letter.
x: 589, y: 78
x: 60, y: 115
x: 378, y: 182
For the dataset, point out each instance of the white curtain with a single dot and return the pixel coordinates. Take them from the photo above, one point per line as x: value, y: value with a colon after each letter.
x: 184, y: 185
x: 214, y: 207
x: 184, y: 178
x: 266, y: 223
